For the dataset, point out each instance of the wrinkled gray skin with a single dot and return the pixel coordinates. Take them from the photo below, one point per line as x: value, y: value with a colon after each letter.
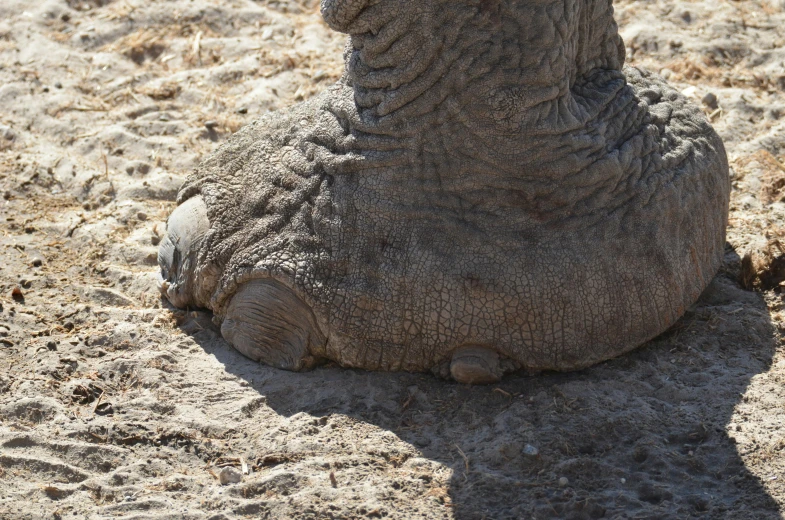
x: 485, y: 189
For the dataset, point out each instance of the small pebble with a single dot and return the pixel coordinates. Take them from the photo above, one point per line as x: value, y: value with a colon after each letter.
x: 242, y: 110
x: 563, y: 482
x: 155, y: 240
x: 104, y: 409
x: 210, y: 125
x: 530, y: 450
x: 710, y: 100
x: 16, y: 294
x: 7, y: 133
x: 230, y: 475
x: 37, y: 261
x: 51, y: 345
x: 58, y: 84
x: 141, y: 215
x: 623, y: 480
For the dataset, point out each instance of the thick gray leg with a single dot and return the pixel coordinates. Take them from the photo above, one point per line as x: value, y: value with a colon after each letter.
x: 267, y: 322
x: 476, y: 365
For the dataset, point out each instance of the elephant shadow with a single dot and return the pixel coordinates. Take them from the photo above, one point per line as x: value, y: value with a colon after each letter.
x: 651, y: 434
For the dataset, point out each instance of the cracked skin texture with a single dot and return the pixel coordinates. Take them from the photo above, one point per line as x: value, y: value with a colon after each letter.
x: 486, y: 174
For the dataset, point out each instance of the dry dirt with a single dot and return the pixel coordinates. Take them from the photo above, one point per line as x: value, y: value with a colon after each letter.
x: 114, y: 404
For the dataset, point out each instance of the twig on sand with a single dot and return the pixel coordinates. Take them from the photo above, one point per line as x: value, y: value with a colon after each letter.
x: 197, y: 48
x: 503, y: 392
x: 98, y: 401
x: 465, y: 461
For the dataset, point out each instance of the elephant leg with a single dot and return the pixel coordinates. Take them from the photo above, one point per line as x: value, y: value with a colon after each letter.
x: 268, y: 323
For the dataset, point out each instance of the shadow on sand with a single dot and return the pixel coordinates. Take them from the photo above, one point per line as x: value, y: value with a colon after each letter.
x: 648, y: 435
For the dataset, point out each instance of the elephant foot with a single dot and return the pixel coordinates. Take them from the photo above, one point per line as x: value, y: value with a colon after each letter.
x: 476, y: 365
x: 268, y: 323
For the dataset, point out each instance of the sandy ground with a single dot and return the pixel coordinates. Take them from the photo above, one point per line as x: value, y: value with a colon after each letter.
x: 114, y: 404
